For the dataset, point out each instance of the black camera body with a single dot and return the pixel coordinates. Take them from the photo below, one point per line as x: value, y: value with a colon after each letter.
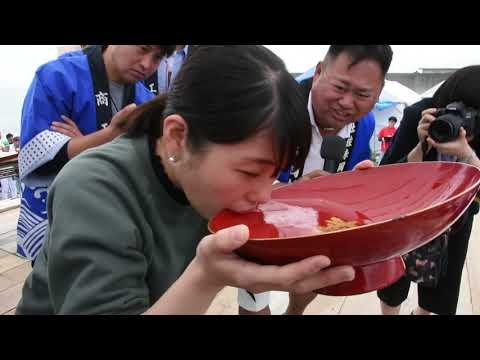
x: 449, y: 120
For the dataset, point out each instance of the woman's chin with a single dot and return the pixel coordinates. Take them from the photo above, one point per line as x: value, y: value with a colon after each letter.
x: 240, y: 210
x: 244, y: 210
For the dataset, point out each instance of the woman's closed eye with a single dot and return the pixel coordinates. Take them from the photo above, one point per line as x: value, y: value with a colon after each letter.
x: 249, y: 173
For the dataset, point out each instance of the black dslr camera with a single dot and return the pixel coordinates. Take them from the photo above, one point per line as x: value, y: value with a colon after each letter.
x: 448, y: 122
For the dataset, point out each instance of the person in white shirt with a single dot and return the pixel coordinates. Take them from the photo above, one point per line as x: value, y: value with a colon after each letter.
x: 344, y: 88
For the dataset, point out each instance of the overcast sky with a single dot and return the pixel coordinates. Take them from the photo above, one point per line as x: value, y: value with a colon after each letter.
x: 19, y: 63
x: 406, y: 58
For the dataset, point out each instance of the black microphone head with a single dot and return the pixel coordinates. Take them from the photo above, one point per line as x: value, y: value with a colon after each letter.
x: 333, y: 148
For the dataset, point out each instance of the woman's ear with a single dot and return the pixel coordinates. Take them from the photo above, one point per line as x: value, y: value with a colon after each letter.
x: 175, y: 135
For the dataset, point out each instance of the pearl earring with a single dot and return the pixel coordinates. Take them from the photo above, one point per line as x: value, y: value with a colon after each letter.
x: 173, y: 159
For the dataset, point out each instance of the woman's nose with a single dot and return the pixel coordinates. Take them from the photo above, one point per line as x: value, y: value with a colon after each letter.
x: 261, y: 194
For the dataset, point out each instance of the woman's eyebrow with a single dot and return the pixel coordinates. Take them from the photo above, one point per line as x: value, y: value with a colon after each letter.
x: 260, y: 160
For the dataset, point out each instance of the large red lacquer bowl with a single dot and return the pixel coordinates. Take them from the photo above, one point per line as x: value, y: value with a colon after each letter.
x: 403, y: 206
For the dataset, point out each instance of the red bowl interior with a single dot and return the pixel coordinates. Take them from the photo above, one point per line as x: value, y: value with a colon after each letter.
x: 400, y: 207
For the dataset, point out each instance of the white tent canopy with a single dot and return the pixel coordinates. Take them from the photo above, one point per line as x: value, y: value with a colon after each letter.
x: 429, y: 93
x: 396, y: 92
x: 400, y: 96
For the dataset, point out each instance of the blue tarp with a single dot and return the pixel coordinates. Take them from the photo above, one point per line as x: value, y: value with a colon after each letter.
x: 382, y: 105
x: 306, y: 75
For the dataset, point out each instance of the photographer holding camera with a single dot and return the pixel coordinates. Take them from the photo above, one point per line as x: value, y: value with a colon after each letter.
x: 443, y: 128
x: 449, y: 131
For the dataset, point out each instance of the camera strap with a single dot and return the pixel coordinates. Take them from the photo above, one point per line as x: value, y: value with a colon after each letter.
x: 424, y: 150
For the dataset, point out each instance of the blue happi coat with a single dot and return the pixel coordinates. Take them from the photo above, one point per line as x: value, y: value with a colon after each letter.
x: 61, y: 87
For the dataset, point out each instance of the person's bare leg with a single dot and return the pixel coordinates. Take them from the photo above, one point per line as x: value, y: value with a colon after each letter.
x: 298, y: 303
x: 390, y: 310
x: 421, y: 311
x: 266, y: 311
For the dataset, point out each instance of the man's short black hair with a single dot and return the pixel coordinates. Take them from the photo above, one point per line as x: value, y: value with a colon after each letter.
x: 9, y: 135
x: 392, y: 118
x: 167, y: 50
x: 382, y: 54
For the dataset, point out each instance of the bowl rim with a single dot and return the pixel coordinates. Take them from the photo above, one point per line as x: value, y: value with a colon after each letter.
x: 470, y: 188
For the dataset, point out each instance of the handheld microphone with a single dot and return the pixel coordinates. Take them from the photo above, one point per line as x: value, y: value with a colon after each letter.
x: 332, y: 151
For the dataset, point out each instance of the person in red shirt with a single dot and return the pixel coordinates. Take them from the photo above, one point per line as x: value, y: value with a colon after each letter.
x: 385, y: 135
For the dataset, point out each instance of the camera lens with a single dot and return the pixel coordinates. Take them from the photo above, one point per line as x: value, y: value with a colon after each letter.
x: 443, y: 131
x: 445, y: 128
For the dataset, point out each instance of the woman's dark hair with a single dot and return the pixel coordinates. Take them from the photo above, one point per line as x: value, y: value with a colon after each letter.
x: 463, y: 85
x: 226, y: 94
